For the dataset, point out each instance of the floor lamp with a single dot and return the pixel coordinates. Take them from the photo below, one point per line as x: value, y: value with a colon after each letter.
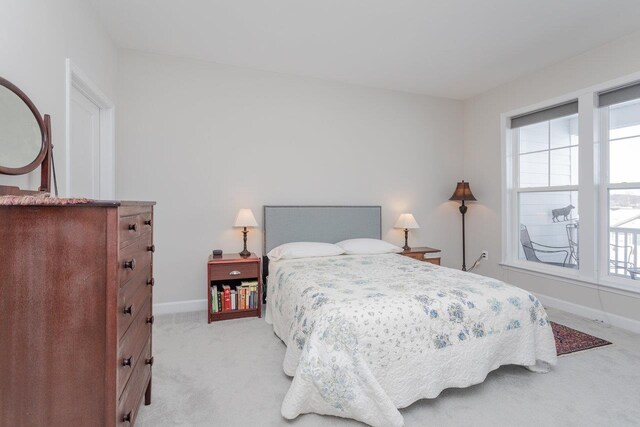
x: 463, y: 193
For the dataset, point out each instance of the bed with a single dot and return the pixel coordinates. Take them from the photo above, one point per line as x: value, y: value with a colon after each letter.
x: 369, y: 334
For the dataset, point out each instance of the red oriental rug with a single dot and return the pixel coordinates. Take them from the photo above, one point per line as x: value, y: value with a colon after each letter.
x: 570, y: 341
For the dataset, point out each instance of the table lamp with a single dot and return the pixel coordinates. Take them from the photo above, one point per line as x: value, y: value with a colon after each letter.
x: 408, y: 222
x: 245, y: 219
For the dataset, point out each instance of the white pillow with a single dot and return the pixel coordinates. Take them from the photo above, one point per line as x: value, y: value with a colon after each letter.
x: 304, y: 250
x: 368, y: 246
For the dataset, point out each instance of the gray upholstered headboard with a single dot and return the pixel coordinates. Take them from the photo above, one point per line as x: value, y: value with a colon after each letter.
x: 330, y: 224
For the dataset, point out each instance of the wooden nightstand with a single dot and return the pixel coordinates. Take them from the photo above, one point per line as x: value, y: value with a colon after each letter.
x: 231, y: 270
x: 418, y: 253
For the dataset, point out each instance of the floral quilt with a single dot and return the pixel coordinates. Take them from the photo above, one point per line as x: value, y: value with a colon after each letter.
x: 368, y: 334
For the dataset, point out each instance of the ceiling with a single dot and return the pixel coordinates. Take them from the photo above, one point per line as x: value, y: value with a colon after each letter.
x: 449, y: 48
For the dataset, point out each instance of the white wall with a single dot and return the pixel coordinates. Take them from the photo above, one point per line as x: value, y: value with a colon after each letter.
x: 482, y: 163
x: 35, y: 39
x: 204, y: 140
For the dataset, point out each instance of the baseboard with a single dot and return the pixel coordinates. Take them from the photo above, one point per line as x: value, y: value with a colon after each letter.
x: 591, y: 313
x: 180, y: 306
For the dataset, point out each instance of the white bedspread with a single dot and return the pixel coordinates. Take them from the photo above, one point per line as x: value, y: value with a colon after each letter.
x: 367, y: 334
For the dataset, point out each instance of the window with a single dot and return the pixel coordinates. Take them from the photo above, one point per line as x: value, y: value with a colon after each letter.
x: 545, y: 185
x: 572, y: 189
x: 620, y: 112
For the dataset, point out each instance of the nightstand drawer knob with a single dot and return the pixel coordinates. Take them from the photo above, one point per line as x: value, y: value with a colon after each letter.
x: 151, y: 282
x: 150, y: 320
x: 151, y: 248
x: 128, y: 310
x: 149, y: 361
x: 234, y: 273
x: 147, y: 222
x: 127, y: 418
x: 133, y: 227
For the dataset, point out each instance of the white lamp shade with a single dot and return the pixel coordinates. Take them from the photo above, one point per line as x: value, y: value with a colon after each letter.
x: 245, y: 218
x: 406, y: 220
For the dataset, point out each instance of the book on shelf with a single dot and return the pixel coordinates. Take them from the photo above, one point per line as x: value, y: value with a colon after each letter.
x: 250, y: 293
x: 226, y: 289
x: 243, y: 296
x: 214, y: 299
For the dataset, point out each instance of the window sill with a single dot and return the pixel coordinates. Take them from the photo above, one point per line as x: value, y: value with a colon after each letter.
x: 573, y: 277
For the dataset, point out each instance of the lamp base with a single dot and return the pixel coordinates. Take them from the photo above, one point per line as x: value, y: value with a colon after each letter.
x: 406, y: 246
x: 245, y: 253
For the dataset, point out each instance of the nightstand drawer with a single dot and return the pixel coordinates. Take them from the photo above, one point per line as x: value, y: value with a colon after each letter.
x: 418, y: 256
x: 435, y: 261
x: 239, y: 270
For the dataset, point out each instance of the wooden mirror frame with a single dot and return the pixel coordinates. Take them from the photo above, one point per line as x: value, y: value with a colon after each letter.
x: 44, y: 156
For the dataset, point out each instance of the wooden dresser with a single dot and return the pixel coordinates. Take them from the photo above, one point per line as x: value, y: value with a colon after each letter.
x: 76, y: 313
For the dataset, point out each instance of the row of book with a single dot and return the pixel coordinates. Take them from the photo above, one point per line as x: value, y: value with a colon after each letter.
x: 241, y: 297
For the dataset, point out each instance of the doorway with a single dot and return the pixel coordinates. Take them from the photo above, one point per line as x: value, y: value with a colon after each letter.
x: 90, y: 160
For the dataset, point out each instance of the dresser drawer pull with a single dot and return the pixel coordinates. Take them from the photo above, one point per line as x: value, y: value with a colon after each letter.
x: 128, y: 362
x: 234, y: 273
x: 130, y: 264
x: 127, y: 418
x: 151, y: 248
x: 149, y: 361
x: 147, y: 222
x: 128, y: 310
x: 150, y: 320
x: 151, y: 282
x: 133, y: 227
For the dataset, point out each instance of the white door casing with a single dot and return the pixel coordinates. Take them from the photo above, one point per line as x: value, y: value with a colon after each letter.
x: 90, y: 148
x: 84, y: 147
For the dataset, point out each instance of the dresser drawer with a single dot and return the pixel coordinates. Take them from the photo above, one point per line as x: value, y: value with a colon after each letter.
x: 132, y: 344
x: 146, y: 219
x: 132, y: 395
x: 135, y: 257
x: 240, y: 270
x: 129, y: 228
x: 132, y: 297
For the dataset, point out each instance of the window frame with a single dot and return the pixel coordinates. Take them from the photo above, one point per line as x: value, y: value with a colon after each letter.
x: 517, y: 191
x: 604, y: 206
x: 592, y: 193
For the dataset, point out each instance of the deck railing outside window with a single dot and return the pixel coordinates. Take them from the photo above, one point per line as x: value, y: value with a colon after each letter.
x: 623, y: 253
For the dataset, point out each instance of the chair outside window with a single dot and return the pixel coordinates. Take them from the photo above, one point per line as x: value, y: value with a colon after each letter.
x: 572, y: 237
x: 532, y: 249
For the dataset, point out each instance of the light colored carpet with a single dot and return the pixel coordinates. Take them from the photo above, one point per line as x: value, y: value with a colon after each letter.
x: 230, y: 374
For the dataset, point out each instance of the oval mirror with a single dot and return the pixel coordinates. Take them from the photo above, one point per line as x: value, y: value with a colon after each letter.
x: 22, y: 132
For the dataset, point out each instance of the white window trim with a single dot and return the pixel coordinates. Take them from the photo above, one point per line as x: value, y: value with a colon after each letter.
x: 593, y: 268
x: 604, y: 211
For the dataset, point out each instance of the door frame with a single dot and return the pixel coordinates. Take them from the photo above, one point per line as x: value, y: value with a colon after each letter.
x: 76, y: 78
